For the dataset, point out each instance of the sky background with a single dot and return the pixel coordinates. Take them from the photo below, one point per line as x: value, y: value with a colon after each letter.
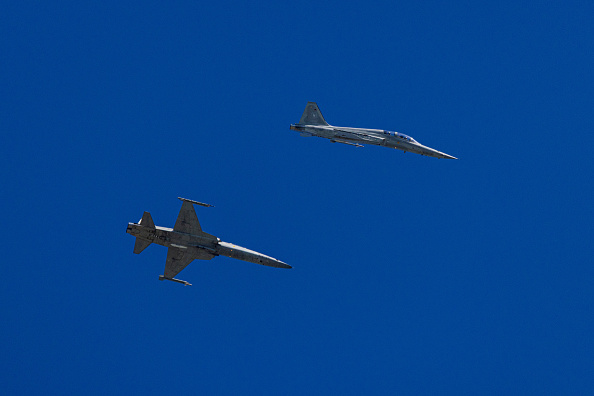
x: 411, y: 275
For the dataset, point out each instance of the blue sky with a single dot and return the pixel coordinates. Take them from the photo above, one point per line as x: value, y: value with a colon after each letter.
x: 411, y: 275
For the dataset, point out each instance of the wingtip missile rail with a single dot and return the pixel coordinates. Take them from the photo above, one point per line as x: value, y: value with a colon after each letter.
x: 195, y: 202
x: 183, y: 282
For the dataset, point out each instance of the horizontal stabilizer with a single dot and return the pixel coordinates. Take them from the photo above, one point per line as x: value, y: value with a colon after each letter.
x: 141, y: 244
x: 147, y: 220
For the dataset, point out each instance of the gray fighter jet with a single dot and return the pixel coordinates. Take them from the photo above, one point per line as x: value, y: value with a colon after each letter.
x: 186, y: 242
x: 312, y: 123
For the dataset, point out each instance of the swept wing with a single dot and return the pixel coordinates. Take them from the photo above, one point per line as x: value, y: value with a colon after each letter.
x: 177, y: 260
x: 187, y: 221
x: 178, y: 257
x: 359, y: 136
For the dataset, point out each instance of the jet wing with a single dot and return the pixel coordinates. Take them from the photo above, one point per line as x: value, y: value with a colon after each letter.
x: 177, y: 260
x: 345, y: 142
x: 360, y: 137
x: 187, y: 221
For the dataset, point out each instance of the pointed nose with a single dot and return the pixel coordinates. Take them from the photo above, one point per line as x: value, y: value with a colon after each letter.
x: 280, y: 264
x: 437, y: 154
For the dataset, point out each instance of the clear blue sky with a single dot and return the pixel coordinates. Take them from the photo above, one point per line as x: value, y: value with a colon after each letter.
x: 411, y: 275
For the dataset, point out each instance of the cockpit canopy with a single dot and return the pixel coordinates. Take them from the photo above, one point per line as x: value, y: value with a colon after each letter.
x: 401, y: 136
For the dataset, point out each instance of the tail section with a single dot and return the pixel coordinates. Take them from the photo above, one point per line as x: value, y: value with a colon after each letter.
x: 147, y: 220
x: 141, y: 243
x: 312, y: 115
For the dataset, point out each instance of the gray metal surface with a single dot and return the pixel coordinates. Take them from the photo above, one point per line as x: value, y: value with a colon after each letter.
x: 177, y: 260
x: 312, y: 123
x: 312, y: 115
x: 187, y: 221
x: 196, y: 202
x: 187, y: 242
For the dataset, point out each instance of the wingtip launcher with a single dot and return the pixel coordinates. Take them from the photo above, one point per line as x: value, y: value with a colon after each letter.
x: 183, y: 282
x: 195, y: 202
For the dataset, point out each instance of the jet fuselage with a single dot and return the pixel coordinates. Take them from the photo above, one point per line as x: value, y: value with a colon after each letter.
x: 312, y: 123
x: 359, y: 136
x: 200, y: 247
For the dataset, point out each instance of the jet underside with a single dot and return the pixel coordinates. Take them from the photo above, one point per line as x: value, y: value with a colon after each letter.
x: 187, y: 242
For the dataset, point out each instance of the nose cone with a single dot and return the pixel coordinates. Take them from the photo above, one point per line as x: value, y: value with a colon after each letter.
x: 270, y: 261
x: 434, y: 153
x: 280, y: 264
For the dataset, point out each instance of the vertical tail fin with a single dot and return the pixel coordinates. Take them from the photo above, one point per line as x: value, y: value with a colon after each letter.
x: 312, y: 115
x: 147, y: 220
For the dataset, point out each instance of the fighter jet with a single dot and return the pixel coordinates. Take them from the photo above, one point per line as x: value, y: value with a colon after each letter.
x: 312, y: 123
x: 186, y: 242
